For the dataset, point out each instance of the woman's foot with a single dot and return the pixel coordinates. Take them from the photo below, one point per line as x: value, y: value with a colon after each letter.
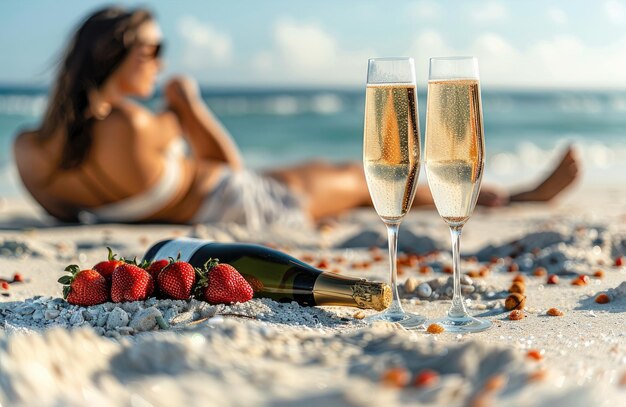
x: 558, y: 180
x: 565, y: 173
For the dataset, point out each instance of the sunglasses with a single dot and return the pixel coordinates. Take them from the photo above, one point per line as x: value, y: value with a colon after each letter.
x: 156, y: 51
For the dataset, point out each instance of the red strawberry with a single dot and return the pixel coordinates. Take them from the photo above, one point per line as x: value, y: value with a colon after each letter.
x: 156, y: 266
x: 105, y: 268
x: 222, y: 284
x: 177, y: 279
x: 130, y: 282
x: 84, y: 287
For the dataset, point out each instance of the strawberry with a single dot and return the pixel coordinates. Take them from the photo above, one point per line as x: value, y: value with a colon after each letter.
x: 105, y: 268
x: 177, y: 279
x: 84, y: 287
x: 222, y: 284
x: 130, y: 282
x: 156, y: 266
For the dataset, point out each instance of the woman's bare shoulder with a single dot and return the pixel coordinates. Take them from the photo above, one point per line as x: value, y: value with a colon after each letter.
x: 127, y: 117
x: 130, y: 123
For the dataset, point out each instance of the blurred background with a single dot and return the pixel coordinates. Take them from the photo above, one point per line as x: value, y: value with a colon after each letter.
x: 287, y: 78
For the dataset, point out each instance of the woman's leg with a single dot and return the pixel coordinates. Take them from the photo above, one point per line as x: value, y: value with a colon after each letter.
x: 564, y: 174
x: 333, y: 188
x: 208, y: 139
x: 329, y: 189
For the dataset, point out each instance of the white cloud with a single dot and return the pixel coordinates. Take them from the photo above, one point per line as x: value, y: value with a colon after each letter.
x: 424, y: 10
x: 307, y: 53
x: 304, y: 46
x: 493, y: 12
x: 557, y: 15
x: 615, y: 11
x: 204, y: 46
x: 560, y: 61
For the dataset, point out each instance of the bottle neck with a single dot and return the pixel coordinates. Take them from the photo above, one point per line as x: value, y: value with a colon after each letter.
x: 333, y: 289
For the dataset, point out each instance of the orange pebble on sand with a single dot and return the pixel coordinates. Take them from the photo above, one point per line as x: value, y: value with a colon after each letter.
x: 516, y: 315
x: 602, y: 299
x: 377, y: 257
x: 495, y: 383
x: 620, y: 261
x: 598, y: 274
x: 540, y: 272
x: 483, y: 272
x: 435, y: 329
x: 323, y: 264
x: 4, y: 285
x: 517, y: 287
x: 554, y: 312
x: 447, y: 269
x: 397, y: 377
x: 426, y: 270
x: 426, y: 378
x: 535, y: 354
x: 473, y: 274
x: 537, y: 375
x: 518, y: 279
x: 339, y: 259
x: 581, y: 280
x: 17, y: 277
x: 307, y: 258
x: 552, y: 279
x: 413, y: 260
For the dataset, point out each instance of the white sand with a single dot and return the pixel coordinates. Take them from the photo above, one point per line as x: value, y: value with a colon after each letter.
x: 283, y: 354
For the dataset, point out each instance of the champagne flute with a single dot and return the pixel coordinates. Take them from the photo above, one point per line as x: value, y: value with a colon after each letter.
x: 455, y: 160
x: 391, y: 158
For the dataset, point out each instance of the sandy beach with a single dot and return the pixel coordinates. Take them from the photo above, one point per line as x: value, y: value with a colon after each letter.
x: 266, y: 353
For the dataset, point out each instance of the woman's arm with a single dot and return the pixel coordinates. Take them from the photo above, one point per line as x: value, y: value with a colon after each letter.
x: 208, y: 139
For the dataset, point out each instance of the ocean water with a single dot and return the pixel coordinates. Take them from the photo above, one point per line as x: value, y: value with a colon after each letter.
x: 525, y: 131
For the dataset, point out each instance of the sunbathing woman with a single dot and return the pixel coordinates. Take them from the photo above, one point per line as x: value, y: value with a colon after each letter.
x: 100, y: 157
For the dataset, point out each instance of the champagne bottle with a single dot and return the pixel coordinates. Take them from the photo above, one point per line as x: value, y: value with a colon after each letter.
x: 276, y: 275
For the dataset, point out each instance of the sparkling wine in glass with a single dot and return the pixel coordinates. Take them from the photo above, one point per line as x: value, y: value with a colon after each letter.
x: 391, y: 158
x: 455, y: 160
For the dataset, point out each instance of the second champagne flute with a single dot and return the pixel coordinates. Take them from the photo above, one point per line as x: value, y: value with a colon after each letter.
x: 455, y: 160
x: 391, y: 158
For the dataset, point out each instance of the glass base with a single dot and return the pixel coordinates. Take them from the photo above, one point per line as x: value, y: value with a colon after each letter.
x: 406, y: 319
x: 464, y: 324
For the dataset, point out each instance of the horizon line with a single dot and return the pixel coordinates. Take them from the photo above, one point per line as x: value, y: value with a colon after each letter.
x: 341, y: 88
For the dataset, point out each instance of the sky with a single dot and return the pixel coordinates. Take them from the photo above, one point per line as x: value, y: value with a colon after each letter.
x: 323, y: 43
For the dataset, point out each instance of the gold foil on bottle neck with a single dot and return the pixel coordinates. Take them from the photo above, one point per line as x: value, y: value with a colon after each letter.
x: 332, y: 289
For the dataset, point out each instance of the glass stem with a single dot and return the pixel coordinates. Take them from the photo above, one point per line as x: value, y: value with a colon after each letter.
x: 457, y: 311
x: 392, y: 238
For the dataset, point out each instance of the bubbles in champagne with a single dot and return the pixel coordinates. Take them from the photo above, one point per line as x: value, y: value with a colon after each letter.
x: 454, y: 147
x: 391, y: 148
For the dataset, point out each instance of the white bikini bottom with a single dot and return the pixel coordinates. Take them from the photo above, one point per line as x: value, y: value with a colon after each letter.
x: 253, y: 200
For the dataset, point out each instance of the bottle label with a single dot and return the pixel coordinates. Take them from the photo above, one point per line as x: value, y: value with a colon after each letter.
x: 186, y: 246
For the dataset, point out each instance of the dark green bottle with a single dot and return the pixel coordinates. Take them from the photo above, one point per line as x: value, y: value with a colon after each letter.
x: 276, y: 275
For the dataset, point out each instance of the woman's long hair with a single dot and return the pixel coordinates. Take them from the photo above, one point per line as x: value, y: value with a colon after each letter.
x: 96, y: 49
